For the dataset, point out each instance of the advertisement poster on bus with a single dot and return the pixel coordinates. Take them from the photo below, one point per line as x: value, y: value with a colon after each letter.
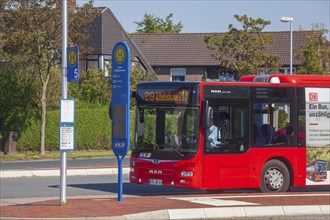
x: 318, y: 136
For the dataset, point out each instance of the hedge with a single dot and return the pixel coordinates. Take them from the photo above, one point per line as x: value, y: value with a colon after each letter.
x: 92, y: 130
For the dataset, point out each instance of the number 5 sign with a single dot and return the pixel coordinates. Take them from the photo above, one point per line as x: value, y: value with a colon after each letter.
x: 73, y: 58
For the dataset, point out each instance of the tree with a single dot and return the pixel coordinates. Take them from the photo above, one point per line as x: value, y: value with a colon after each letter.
x: 93, y: 86
x: 243, y: 51
x: 32, y: 31
x: 154, y: 24
x: 16, y: 98
x: 315, y: 55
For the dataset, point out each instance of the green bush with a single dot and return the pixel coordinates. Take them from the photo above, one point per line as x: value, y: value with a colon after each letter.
x: 92, y: 129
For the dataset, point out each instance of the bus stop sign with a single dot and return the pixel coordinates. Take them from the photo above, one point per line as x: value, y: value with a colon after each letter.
x: 120, y: 106
x: 73, y: 63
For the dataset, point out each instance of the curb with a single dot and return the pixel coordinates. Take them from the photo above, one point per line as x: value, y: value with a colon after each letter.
x: 234, y: 212
x: 70, y: 172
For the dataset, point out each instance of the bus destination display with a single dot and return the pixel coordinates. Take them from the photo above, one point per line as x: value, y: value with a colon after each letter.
x: 178, y: 96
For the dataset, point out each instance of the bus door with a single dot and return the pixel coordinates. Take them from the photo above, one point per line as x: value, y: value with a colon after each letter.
x: 226, y: 163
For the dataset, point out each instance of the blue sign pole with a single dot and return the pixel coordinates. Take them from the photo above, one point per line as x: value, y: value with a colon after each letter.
x: 120, y: 106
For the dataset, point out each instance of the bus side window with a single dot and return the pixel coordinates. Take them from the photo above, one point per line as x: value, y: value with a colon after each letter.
x: 272, y: 124
x: 232, y: 121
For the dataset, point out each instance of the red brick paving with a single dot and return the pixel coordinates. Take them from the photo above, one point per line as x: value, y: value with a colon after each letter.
x: 106, y: 207
x: 94, y: 207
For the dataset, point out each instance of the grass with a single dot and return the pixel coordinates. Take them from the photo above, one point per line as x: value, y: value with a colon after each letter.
x: 57, y: 155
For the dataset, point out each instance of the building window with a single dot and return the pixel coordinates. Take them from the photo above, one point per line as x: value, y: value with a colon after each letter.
x: 283, y: 70
x: 178, y: 74
x: 226, y: 76
x: 92, y: 61
x: 286, y: 70
x: 82, y: 66
x: 107, y: 65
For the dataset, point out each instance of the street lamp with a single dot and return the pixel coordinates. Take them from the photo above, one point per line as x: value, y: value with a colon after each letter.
x: 289, y: 19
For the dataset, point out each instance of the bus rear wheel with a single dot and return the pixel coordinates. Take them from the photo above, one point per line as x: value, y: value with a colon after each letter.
x: 275, y: 177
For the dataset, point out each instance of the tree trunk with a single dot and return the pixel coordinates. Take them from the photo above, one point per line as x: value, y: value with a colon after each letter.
x: 43, y: 118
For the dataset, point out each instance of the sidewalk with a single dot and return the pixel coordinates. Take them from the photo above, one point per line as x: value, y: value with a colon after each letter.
x: 169, y: 207
x: 304, y: 205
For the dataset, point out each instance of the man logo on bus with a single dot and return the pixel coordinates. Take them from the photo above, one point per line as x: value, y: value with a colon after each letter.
x: 313, y: 96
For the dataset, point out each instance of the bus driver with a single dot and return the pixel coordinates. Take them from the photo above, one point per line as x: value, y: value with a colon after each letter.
x: 212, y: 136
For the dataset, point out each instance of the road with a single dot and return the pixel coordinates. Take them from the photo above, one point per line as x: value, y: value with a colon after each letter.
x: 81, y: 186
x: 88, y: 185
x: 28, y: 187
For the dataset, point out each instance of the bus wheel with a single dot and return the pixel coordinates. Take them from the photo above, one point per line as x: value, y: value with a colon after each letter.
x: 275, y: 177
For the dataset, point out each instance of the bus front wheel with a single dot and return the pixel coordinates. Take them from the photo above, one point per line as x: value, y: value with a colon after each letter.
x: 275, y: 177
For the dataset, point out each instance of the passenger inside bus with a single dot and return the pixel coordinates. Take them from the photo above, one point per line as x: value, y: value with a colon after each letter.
x: 212, y: 136
x: 267, y: 132
x: 289, y: 134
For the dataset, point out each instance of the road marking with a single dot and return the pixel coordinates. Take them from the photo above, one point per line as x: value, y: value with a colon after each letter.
x: 214, y: 201
x: 219, y: 200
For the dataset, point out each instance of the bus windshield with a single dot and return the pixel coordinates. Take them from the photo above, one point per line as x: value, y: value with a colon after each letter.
x: 169, y: 133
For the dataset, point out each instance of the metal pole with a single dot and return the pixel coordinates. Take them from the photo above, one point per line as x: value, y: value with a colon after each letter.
x: 64, y: 94
x: 120, y: 178
x: 291, y: 47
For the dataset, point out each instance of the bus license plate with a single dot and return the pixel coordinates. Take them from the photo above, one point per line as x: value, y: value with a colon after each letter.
x: 155, y: 182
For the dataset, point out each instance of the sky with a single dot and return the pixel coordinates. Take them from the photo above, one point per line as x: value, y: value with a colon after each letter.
x: 199, y: 16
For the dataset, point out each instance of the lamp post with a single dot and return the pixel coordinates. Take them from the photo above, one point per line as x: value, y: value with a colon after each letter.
x: 63, y: 171
x: 289, y: 19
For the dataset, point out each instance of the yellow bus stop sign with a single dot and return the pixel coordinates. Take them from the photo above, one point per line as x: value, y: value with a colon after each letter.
x: 72, y: 63
x: 72, y: 57
x: 120, y: 55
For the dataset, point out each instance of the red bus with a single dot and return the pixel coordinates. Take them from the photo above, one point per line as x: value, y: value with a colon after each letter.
x: 172, y: 119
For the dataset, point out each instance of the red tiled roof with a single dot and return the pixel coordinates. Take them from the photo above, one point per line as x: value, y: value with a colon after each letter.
x: 189, y: 49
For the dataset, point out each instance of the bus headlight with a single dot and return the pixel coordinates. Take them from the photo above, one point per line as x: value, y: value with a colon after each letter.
x: 187, y: 173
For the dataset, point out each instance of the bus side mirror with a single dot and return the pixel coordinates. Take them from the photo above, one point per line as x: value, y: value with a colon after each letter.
x: 141, y: 115
x: 207, y: 114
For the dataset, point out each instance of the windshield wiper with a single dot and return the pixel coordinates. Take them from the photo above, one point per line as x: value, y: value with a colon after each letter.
x: 177, y: 151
